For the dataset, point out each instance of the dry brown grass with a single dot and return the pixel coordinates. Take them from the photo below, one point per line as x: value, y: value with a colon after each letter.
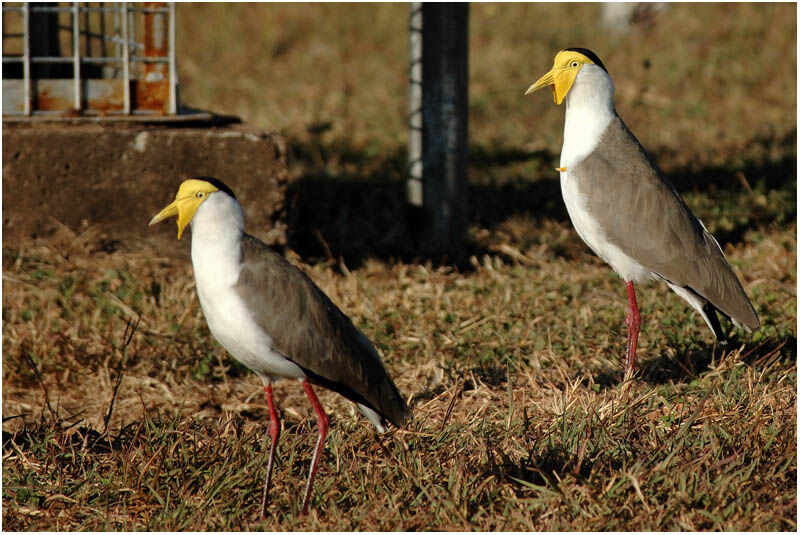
x: 525, y: 358
x: 510, y: 357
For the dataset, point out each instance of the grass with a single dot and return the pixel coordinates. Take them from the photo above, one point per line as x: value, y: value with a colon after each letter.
x: 510, y: 356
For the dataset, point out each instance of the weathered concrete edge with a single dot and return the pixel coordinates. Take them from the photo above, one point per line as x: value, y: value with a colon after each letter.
x: 118, y: 176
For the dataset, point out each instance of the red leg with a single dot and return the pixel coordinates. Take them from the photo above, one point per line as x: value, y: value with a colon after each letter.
x: 274, y: 432
x: 322, y: 427
x: 633, y: 321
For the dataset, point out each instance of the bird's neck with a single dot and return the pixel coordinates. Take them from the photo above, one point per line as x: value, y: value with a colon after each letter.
x: 590, y: 109
x: 217, y: 229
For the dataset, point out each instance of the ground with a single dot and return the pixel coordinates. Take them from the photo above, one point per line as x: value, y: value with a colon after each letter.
x: 120, y: 411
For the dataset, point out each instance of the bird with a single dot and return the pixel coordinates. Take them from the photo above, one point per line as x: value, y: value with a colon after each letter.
x: 627, y: 211
x: 272, y: 318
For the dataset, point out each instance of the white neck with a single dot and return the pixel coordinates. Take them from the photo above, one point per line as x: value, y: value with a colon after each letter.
x: 217, y: 229
x: 590, y: 109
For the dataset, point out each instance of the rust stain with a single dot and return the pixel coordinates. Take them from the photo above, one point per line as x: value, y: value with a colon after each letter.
x: 46, y: 100
x: 152, y: 95
x: 101, y: 96
x: 114, y: 100
x: 155, y: 31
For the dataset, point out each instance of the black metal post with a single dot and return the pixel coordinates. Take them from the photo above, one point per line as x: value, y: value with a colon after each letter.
x: 444, y: 124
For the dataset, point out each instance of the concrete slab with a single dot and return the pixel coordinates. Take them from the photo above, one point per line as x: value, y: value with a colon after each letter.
x: 118, y: 176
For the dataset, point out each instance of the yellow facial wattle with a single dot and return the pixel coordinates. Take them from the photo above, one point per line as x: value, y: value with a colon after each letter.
x: 190, y: 196
x: 560, y: 78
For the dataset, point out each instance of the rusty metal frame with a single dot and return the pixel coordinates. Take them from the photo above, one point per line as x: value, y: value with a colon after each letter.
x: 26, y: 68
x: 128, y: 56
x: 76, y: 54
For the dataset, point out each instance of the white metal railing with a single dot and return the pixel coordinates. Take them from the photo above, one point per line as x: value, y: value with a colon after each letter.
x: 139, y: 59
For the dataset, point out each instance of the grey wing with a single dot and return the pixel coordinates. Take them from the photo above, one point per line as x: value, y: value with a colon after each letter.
x: 664, y: 235
x: 310, y: 330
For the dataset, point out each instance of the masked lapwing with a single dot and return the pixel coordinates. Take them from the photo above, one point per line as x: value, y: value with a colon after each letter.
x: 627, y: 211
x: 272, y: 318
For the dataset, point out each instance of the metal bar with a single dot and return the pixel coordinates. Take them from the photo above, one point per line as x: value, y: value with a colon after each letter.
x: 92, y: 113
x: 150, y: 59
x: 111, y: 117
x: 173, y: 70
x: 155, y: 74
x: 84, y: 9
x: 126, y: 66
x: 150, y: 10
x: 66, y: 59
x: 100, y: 59
x: 52, y: 59
x: 85, y: 32
x: 99, y: 9
x: 26, y: 62
x: 62, y: 9
x: 76, y: 55
x: 414, y: 180
x: 130, y: 21
x: 50, y: 9
x: 117, y: 32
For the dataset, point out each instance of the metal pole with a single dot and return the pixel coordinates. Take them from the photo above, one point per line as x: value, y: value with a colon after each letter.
x: 26, y: 57
x: 173, y: 70
x: 118, y: 30
x: 414, y: 180
x: 444, y: 124
x: 130, y: 19
x: 126, y: 62
x: 156, y: 46
x: 76, y: 55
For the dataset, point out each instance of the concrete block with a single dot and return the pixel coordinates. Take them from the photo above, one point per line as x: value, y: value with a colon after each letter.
x: 118, y: 176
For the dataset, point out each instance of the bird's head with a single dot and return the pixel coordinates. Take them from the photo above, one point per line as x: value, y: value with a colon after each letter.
x: 566, y: 67
x: 191, y: 194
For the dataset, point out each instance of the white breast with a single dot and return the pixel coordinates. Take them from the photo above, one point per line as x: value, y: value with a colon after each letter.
x: 595, y: 237
x: 216, y: 234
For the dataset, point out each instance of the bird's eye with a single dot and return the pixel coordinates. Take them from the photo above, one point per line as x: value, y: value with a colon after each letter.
x: 200, y: 194
x: 574, y: 64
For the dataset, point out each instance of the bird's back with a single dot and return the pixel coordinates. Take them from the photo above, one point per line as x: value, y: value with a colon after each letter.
x: 307, y: 328
x: 642, y: 213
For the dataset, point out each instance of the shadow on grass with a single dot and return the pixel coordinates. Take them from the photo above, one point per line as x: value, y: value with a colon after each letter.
x: 64, y: 437
x: 536, y: 469
x: 359, y: 210
x: 548, y: 462
x: 690, y: 361
x: 349, y: 203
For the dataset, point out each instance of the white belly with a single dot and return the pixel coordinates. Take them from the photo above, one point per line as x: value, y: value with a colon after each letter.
x: 234, y: 328
x: 229, y: 319
x: 595, y: 237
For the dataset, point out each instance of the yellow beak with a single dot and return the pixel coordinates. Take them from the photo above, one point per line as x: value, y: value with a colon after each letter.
x: 183, y: 208
x: 560, y: 81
